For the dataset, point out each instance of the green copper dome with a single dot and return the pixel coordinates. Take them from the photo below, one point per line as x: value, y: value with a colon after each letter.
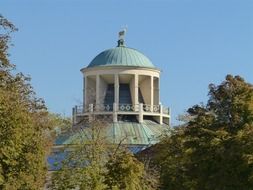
x: 125, y: 132
x: 121, y: 56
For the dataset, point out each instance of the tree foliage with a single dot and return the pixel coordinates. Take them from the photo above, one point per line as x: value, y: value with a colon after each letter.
x: 215, y: 148
x: 124, y: 171
x: 93, y: 163
x: 6, y: 27
x: 24, y: 124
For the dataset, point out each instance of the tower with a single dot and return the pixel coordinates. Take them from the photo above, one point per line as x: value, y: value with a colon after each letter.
x: 123, y: 84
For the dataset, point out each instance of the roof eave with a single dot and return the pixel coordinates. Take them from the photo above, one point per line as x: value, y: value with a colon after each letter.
x: 85, y: 69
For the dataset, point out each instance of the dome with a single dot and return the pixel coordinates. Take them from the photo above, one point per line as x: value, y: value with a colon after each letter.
x: 133, y: 133
x: 136, y: 136
x: 121, y: 56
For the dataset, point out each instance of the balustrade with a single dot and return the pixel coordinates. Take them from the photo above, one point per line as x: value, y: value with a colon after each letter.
x: 78, y: 110
x: 166, y: 111
x: 128, y: 107
x: 103, y: 107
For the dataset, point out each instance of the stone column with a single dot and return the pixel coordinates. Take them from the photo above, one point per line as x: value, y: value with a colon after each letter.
x: 136, y: 91
x: 85, y: 91
x: 140, y: 113
x: 151, y: 93
x: 115, y: 115
x: 74, y: 115
x: 159, y: 90
x: 161, y: 114
x: 97, y: 90
x: 116, y: 89
x: 91, y: 112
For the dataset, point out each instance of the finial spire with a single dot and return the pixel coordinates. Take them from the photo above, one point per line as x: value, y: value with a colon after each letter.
x: 121, y: 41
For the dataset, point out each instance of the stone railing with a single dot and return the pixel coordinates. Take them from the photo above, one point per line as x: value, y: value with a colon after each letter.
x: 103, y: 107
x: 150, y: 108
x: 166, y: 111
x: 128, y: 107
x: 79, y: 110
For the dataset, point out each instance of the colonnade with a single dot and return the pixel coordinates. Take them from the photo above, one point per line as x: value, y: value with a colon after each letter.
x: 94, y: 96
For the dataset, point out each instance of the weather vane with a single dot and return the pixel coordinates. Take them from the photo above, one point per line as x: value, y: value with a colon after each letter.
x: 122, y: 33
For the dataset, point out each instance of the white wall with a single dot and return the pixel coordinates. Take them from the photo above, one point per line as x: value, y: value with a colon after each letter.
x: 156, y: 91
x: 90, y: 91
x: 102, y: 90
x: 145, y: 87
x: 84, y: 90
x: 132, y: 90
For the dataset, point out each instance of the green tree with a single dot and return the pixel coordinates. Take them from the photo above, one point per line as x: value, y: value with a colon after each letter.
x: 24, y: 125
x: 96, y: 164
x: 6, y: 27
x: 83, y: 164
x: 215, y: 148
x: 124, y: 172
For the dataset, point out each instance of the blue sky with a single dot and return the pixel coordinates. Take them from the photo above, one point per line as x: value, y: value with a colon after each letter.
x: 193, y: 42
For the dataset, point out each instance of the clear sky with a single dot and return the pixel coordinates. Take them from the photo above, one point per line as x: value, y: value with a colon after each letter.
x: 193, y: 42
